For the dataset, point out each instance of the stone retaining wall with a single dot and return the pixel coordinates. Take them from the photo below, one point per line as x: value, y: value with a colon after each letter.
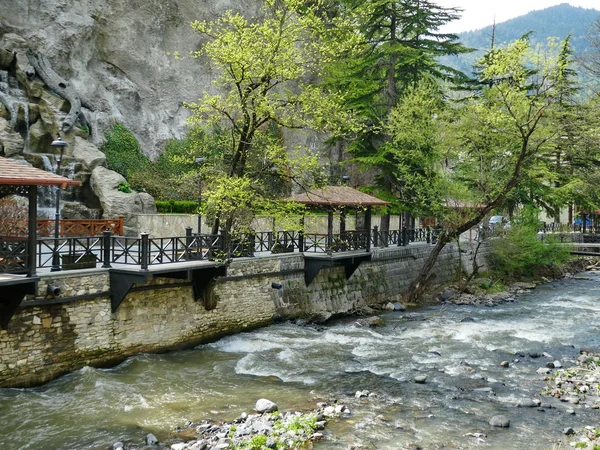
x: 49, y: 337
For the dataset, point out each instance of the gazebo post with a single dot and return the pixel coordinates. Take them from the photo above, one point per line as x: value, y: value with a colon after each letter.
x: 32, y: 231
x: 329, y: 228
x: 301, y: 235
x: 343, y: 221
x: 368, y: 226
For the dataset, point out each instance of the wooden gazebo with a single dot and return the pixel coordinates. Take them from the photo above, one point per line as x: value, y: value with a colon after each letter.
x: 341, y: 197
x: 331, y: 198
x: 18, y: 253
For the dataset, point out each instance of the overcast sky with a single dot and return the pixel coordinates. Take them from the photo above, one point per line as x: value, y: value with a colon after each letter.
x: 481, y: 13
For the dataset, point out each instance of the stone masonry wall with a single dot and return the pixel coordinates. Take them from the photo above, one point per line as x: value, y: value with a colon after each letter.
x: 49, y: 337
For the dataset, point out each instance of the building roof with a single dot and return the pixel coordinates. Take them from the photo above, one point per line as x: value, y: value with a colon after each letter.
x: 338, y: 196
x: 14, y: 173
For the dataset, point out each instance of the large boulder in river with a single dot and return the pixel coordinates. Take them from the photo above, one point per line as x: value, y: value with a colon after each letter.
x: 500, y: 421
x: 105, y: 184
x: 265, y: 406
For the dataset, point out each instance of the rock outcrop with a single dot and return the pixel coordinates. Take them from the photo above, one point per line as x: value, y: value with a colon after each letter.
x: 114, y: 203
x: 117, y: 55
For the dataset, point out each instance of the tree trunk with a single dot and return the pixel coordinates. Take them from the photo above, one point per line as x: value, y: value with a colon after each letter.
x: 60, y: 86
x: 418, y: 285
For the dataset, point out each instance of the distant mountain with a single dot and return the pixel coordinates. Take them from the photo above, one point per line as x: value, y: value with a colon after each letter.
x: 557, y: 21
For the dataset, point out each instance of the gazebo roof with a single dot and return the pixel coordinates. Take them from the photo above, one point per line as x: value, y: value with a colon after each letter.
x: 338, y: 196
x: 16, y: 174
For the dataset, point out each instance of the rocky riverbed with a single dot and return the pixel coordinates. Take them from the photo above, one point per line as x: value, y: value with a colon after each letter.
x: 264, y: 428
x: 578, y: 387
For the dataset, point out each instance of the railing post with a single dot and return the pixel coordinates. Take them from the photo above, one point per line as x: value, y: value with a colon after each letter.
x: 225, y: 244
x: 375, y: 236
x: 106, y: 247
x: 145, y: 251
x: 188, y: 242
x: 301, y: 240
x: 404, y: 236
x: 428, y: 235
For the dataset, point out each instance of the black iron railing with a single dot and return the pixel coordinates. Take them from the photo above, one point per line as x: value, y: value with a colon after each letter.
x: 79, y: 252
x: 13, y: 254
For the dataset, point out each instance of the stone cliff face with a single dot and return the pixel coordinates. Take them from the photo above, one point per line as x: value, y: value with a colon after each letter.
x: 116, y: 54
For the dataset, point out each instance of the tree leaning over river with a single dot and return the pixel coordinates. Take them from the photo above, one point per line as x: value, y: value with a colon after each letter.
x: 487, y: 142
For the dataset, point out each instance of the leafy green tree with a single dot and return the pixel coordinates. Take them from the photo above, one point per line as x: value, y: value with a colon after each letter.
x: 591, y: 58
x: 491, y: 139
x: 402, y: 45
x: 265, y: 68
x: 521, y: 254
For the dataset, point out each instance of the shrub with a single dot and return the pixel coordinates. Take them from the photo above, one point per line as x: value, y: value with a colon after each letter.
x: 124, y: 187
x: 177, y: 206
x: 520, y: 253
x: 123, y: 153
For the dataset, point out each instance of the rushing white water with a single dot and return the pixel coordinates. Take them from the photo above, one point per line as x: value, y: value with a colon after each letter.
x: 294, y: 366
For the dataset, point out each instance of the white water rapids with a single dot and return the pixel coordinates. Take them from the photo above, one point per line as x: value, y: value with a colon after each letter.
x: 466, y: 386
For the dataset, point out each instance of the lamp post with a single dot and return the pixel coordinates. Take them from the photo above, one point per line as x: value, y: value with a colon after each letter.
x: 199, y: 161
x: 345, y: 179
x: 59, y: 145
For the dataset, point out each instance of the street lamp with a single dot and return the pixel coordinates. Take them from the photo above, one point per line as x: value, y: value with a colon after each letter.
x: 345, y: 179
x: 58, y: 144
x: 199, y: 161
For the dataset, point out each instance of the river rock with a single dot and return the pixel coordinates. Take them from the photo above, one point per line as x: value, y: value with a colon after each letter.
x: 529, y: 403
x: 447, y: 294
x: 263, y: 405
x: 543, y: 371
x: 118, y: 446
x: 369, y: 322
x: 505, y: 364
x: 360, y: 394
x: 420, y: 379
x: 320, y: 317
x: 151, y: 439
x: 467, y: 319
x: 568, y: 431
x: 500, y: 421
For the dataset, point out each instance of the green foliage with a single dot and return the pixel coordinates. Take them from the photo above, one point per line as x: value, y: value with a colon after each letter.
x: 522, y: 254
x: 257, y: 442
x: 124, y: 187
x: 123, y: 153
x: 401, y: 47
x: 174, y: 175
x: 177, y: 206
x: 263, y: 64
x: 301, y: 426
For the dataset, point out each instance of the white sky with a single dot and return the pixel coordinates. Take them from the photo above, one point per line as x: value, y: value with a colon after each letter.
x: 481, y: 13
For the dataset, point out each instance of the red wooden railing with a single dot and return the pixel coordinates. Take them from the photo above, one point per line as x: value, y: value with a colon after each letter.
x: 67, y: 227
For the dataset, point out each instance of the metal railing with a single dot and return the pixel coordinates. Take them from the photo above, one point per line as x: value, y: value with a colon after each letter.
x: 78, y: 252
x: 13, y: 254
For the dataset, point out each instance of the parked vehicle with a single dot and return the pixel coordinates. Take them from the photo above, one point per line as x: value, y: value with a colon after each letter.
x: 498, y: 221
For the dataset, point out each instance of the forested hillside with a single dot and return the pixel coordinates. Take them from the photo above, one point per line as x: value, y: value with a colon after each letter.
x: 556, y: 21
